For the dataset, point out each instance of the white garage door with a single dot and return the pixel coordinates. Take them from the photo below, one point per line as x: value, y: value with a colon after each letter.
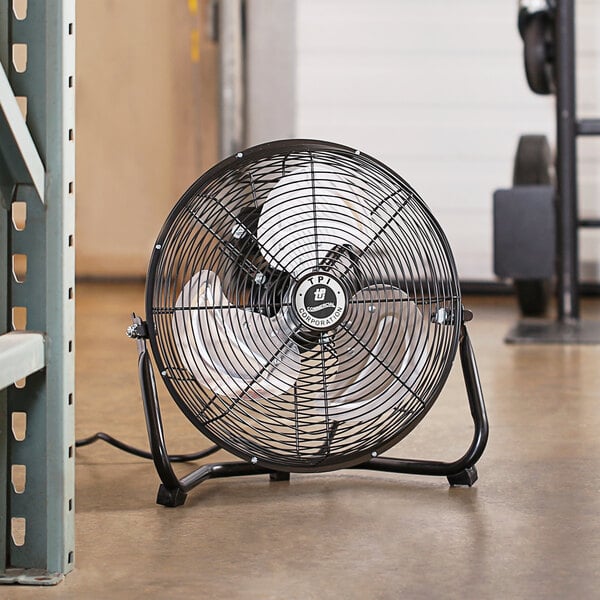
x: 437, y: 90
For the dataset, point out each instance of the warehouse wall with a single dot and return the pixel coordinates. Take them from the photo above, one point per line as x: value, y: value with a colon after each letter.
x: 146, y: 124
x: 437, y: 90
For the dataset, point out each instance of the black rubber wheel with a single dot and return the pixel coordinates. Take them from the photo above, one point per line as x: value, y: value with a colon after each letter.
x: 538, y: 53
x: 533, y: 161
x: 533, y: 296
x: 533, y: 166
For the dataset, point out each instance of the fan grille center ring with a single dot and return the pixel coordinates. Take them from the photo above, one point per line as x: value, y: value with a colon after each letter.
x: 319, y: 301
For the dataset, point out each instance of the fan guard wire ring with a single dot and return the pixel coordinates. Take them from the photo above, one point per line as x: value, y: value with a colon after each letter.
x: 309, y: 400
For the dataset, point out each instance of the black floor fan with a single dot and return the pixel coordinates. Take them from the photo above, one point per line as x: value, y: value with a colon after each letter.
x: 304, y: 312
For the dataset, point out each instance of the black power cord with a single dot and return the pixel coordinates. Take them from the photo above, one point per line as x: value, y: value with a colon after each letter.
x: 142, y: 453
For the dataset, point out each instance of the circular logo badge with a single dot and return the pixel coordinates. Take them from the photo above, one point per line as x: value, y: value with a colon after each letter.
x: 320, y: 301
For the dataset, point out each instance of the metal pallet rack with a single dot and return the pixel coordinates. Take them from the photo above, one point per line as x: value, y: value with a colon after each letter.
x: 37, y: 52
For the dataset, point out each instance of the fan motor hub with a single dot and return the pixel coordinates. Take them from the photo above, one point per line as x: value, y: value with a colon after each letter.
x: 319, y: 301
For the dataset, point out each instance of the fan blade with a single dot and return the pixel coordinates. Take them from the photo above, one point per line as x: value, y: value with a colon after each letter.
x: 382, y: 352
x: 233, y: 351
x: 307, y: 213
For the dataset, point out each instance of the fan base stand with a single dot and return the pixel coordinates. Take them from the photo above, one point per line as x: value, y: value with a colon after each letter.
x: 465, y: 478
x: 173, y: 490
x: 170, y: 497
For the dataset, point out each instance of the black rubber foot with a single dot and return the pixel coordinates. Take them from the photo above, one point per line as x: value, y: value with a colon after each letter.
x: 279, y: 476
x: 466, y: 477
x: 168, y: 497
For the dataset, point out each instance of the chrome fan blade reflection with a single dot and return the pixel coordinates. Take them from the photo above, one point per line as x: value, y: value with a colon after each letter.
x: 381, y: 353
x: 306, y: 214
x: 232, y: 351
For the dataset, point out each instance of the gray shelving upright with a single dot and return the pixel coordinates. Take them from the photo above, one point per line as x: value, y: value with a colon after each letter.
x: 37, y: 52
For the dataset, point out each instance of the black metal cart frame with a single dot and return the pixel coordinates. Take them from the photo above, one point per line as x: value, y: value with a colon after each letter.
x: 567, y: 328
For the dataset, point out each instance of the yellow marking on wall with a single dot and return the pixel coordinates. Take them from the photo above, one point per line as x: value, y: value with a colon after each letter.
x: 195, y: 45
x: 193, y: 7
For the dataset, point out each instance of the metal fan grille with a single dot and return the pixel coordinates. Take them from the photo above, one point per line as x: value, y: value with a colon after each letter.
x: 236, y: 339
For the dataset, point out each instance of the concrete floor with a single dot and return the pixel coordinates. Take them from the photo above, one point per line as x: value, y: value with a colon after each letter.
x: 529, y: 528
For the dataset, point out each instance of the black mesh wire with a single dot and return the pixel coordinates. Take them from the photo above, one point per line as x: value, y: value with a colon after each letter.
x: 228, y: 286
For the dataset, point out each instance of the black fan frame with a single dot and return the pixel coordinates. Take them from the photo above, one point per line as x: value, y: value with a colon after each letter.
x: 462, y: 471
